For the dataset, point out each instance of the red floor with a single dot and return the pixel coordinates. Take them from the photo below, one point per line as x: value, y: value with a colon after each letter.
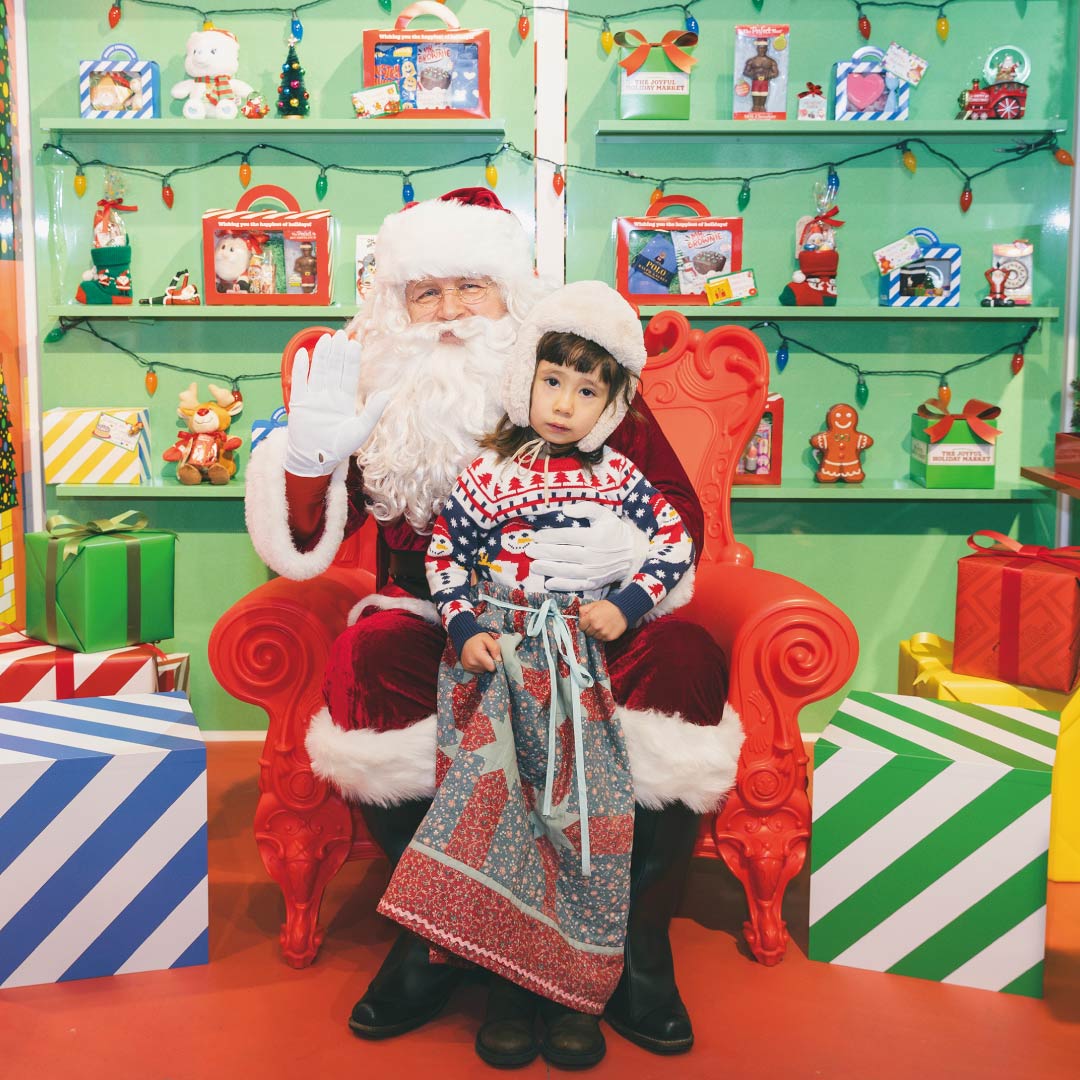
x: 247, y: 1015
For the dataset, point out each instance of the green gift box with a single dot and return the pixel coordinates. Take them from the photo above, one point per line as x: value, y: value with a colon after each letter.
x: 654, y: 83
x: 954, y: 450
x: 102, y: 585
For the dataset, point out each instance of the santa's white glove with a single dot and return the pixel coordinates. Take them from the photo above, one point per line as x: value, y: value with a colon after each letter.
x: 323, y: 428
x: 579, y: 559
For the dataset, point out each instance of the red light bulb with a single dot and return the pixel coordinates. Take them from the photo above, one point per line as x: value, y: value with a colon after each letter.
x: 523, y: 27
x: 114, y: 16
x: 558, y: 183
x: 167, y: 195
x: 864, y: 27
x: 965, y: 198
x: 1017, y: 363
x: 1063, y: 156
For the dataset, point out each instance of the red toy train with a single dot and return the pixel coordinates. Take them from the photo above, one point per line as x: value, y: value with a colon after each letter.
x: 995, y: 101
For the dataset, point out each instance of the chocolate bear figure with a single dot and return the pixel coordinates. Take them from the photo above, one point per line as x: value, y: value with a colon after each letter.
x: 841, y: 445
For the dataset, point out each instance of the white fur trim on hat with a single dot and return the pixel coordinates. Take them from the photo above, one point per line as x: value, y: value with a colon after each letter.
x: 446, y: 238
x: 267, y: 512
x: 591, y: 310
x: 670, y: 760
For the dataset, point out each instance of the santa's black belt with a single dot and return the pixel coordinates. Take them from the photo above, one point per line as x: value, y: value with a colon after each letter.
x: 407, y: 570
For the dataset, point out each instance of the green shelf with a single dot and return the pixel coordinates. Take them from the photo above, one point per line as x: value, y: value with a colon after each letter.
x: 304, y: 312
x: 700, y: 131
x: 159, y: 489
x: 806, y: 488
x: 396, y: 130
x: 727, y: 312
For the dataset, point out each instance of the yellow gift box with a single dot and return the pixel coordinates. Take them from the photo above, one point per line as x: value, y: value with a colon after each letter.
x: 96, y: 446
x: 926, y: 671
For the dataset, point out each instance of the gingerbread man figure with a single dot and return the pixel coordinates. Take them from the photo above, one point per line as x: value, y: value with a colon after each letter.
x: 841, y: 446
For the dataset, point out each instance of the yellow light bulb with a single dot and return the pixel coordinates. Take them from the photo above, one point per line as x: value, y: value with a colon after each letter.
x: 943, y: 28
x: 607, y: 41
x: 911, y: 163
x: 79, y: 183
x: 491, y: 175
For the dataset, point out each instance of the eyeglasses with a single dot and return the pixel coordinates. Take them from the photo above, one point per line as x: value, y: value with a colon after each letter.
x: 469, y: 293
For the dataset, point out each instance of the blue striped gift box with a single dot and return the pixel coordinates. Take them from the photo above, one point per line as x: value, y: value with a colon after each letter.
x: 144, y: 74
x: 930, y: 838
x: 103, y: 855
x: 889, y: 285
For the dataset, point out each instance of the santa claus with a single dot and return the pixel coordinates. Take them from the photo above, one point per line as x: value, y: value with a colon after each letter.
x: 388, y: 416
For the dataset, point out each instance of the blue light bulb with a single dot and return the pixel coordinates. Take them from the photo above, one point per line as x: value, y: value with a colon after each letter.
x: 296, y: 27
x: 832, y: 185
x: 782, y: 356
x: 691, y: 23
x: 407, y: 193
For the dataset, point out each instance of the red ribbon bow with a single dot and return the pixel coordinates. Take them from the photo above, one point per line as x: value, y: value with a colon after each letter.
x: 113, y: 204
x: 811, y: 88
x: 672, y: 43
x: 975, y: 414
x: 829, y: 218
x: 1066, y: 557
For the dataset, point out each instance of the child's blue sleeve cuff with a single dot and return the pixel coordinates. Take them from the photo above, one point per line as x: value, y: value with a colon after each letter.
x: 633, y: 601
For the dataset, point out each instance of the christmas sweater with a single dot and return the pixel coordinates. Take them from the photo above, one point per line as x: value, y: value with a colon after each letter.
x: 496, y: 507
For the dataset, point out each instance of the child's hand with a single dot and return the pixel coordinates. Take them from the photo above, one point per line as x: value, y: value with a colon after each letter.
x: 481, y: 652
x: 602, y: 620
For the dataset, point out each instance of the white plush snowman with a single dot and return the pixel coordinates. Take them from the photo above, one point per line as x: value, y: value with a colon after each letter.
x: 213, y: 90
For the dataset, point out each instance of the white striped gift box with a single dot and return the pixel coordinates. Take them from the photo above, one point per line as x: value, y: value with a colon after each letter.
x: 889, y: 285
x: 930, y: 836
x: 847, y: 109
x: 73, y: 454
x: 103, y: 855
x: 142, y: 75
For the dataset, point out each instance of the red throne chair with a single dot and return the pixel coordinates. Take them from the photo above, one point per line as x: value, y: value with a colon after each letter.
x: 786, y: 646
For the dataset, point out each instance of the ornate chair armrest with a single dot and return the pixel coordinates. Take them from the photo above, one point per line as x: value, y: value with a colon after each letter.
x: 271, y: 647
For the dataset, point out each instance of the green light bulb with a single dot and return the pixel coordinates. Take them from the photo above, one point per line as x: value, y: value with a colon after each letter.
x: 744, y: 195
x: 320, y: 187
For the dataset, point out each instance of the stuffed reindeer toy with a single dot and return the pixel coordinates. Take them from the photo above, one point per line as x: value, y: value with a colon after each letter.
x: 205, y: 451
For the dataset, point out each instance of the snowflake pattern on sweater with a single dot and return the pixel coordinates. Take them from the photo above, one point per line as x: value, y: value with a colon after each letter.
x: 491, y: 517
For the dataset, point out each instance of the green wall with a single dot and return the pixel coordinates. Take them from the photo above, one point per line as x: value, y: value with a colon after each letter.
x: 888, y: 563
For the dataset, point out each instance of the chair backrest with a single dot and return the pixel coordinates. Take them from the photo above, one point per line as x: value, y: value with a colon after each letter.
x: 708, y: 390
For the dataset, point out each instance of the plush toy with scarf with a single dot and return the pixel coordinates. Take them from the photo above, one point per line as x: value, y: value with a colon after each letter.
x: 213, y: 90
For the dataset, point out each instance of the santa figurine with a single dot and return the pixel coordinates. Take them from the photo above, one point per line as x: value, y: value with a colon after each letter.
x: 389, y: 414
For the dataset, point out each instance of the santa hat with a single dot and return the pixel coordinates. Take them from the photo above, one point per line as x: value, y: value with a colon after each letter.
x: 591, y: 310
x: 462, y: 233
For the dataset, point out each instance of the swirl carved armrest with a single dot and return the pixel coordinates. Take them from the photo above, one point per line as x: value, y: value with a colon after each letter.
x: 786, y: 646
x: 271, y: 649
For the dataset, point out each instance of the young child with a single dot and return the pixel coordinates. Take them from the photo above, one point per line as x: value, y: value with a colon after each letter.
x: 522, y: 863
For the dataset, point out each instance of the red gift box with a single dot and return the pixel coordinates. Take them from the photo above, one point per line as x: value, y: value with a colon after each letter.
x: 1018, y: 613
x: 33, y: 671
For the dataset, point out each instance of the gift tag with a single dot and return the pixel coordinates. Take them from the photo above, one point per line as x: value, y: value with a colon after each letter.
x: 904, y: 64
x: 118, y: 431
x: 898, y: 253
x: 726, y: 288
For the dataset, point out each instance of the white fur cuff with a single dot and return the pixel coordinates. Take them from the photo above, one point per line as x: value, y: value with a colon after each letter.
x: 424, y: 608
x: 671, y: 760
x: 680, y: 595
x: 380, y: 767
x: 267, y: 511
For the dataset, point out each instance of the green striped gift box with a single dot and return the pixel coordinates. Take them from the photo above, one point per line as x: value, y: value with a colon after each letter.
x: 930, y: 837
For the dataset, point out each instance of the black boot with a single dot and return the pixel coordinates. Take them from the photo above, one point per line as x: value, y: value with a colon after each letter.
x: 507, y: 1038
x: 646, y: 1007
x: 408, y: 990
x: 572, y: 1040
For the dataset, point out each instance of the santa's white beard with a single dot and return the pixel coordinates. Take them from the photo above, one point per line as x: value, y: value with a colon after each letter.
x: 444, y: 398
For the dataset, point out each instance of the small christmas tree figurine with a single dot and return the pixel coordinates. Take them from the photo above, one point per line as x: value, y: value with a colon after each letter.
x: 292, y: 101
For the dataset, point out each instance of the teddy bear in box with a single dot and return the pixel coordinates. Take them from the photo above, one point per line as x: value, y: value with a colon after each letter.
x: 212, y: 60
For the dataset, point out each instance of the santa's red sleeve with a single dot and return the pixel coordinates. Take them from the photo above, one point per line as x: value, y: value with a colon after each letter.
x: 297, y: 523
x: 642, y: 441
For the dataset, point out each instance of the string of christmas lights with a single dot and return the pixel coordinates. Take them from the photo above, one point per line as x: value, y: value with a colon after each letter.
x: 783, y: 355
x: 1017, y: 152
x: 939, y: 6
x: 862, y: 388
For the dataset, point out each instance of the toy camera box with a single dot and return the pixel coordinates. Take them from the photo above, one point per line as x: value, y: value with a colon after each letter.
x: 443, y: 72
x: 663, y: 260
x: 119, y: 89
x: 761, y: 72
x: 268, y: 256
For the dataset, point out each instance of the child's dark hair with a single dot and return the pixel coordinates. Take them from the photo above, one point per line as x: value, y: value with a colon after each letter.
x: 571, y: 351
